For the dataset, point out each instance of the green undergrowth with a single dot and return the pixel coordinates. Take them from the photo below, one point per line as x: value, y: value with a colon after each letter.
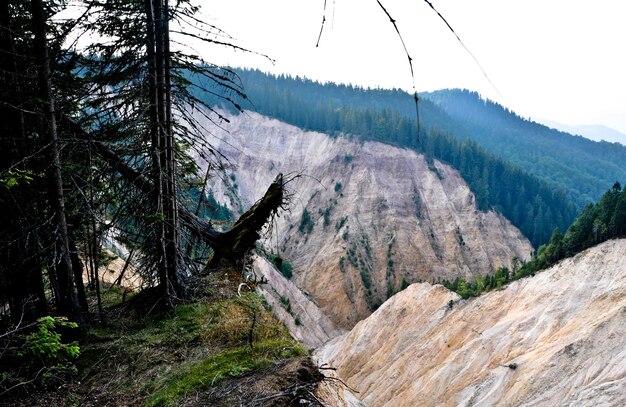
x: 113, y: 294
x: 156, y: 360
x: 214, y: 368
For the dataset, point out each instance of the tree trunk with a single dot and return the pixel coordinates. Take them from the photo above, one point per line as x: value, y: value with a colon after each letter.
x: 77, y: 269
x: 155, y: 140
x: 162, y: 143
x: 70, y: 302
x: 170, y: 157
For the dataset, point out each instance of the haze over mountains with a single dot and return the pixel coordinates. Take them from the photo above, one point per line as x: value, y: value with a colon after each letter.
x: 584, y: 168
x: 596, y: 132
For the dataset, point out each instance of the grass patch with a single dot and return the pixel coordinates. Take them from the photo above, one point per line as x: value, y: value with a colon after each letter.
x: 306, y: 223
x: 112, y: 295
x: 156, y: 360
x: 213, y: 369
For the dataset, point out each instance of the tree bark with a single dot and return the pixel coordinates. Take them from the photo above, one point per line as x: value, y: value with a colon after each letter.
x: 70, y: 302
x: 156, y: 150
x: 167, y: 147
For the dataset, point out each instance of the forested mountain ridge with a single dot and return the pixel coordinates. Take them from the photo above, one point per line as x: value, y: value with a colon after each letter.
x: 585, y: 168
x: 388, y: 116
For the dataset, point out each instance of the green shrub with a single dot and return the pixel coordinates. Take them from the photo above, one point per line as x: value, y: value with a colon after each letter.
x: 282, y: 265
x: 46, y: 354
x: 340, y: 223
x: 306, y: 222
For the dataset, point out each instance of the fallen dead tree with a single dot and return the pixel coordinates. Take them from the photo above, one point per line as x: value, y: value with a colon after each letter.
x: 232, y: 244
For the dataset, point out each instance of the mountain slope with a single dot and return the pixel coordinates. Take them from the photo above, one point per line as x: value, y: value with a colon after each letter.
x: 366, y: 219
x: 388, y: 116
x: 564, y: 329
x: 583, y: 167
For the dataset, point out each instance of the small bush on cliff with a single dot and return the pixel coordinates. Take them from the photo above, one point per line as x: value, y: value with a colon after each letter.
x: 306, y: 223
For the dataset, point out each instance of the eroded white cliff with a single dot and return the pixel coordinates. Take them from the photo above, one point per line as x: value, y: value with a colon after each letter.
x: 564, y: 329
x: 381, y: 216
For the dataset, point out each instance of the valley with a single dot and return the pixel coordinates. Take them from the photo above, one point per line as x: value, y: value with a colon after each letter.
x: 557, y: 338
x: 179, y: 232
x: 365, y: 219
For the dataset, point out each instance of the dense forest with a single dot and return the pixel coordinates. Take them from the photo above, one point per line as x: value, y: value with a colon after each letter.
x: 583, y: 168
x: 531, y: 204
x: 93, y: 141
x: 596, y: 224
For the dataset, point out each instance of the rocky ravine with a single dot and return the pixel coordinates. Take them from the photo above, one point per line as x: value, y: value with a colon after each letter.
x: 365, y: 219
x: 565, y: 329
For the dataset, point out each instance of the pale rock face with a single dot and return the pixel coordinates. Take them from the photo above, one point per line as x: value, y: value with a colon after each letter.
x: 295, y: 308
x: 382, y: 216
x: 564, y: 328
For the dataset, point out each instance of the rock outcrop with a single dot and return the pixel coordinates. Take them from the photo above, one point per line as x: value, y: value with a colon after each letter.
x: 556, y: 339
x: 366, y: 219
x: 298, y: 311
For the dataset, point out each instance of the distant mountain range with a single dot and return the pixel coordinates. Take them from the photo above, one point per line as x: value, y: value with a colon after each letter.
x: 585, y: 168
x: 596, y: 132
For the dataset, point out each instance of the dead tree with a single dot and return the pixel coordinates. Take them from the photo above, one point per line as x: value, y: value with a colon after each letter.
x: 230, y: 245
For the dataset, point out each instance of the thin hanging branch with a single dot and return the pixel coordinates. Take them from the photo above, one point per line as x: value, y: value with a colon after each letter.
x: 462, y: 44
x: 322, y: 27
x: 415, y: 98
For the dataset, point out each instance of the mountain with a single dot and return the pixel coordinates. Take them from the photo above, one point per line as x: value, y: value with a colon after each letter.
x: 558, y: 338
x: 584, y: 168
x: 388, y: 116
x: 365, y: 219
x: 594, y: 132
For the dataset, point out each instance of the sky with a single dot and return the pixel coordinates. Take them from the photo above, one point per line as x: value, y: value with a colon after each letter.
x: 558, y: 60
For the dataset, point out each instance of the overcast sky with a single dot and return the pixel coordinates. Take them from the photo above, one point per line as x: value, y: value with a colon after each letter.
x: 561, y: 60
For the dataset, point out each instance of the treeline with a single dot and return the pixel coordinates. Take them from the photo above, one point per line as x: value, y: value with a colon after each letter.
x: 530, y: 204
x: 596, y: 224
x: 584, y: 168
